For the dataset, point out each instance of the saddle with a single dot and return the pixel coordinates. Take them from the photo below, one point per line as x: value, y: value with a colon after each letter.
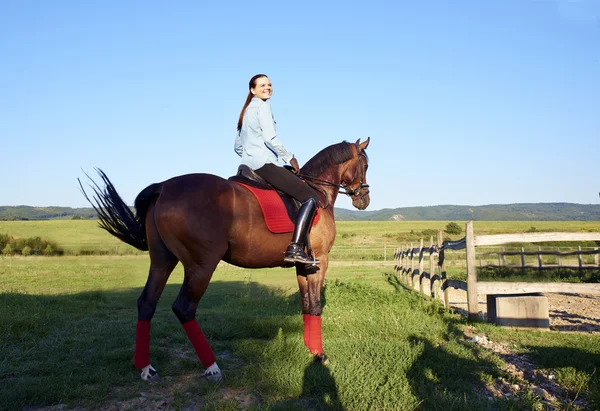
x: 272, y: 201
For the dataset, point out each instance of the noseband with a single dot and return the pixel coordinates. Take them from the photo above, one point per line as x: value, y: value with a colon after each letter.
x: 345, y: 189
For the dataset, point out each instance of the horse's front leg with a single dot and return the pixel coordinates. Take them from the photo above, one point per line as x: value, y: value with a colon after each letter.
x: 310, y: 282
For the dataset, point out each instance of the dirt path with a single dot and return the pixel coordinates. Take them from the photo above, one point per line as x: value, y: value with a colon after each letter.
x: 568, y: 312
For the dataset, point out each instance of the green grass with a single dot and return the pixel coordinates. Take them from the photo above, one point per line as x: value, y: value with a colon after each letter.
x: 67, y: 328
x: 74, y: 236
x: 355, y: 240
x: 399, y: 233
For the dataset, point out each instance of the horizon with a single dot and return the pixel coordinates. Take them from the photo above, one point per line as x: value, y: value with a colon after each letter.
x: 465, y: 102
x: 359, y: 211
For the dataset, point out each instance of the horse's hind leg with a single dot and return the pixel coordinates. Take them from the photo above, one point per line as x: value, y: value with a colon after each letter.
x: 197, y: 277
x: 162, y: 263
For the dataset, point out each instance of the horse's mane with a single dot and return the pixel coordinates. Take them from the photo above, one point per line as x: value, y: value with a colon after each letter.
x: 334, y: 154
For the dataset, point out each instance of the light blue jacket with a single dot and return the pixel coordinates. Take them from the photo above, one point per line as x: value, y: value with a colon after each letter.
x: 257, y: 141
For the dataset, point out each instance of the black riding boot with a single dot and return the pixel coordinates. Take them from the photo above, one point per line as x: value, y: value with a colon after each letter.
x: 295, y: 252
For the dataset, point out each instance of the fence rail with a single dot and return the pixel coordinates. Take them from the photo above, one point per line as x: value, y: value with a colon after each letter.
x: 438, y: 283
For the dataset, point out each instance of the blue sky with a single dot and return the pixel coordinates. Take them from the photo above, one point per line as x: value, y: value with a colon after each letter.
x: 466, y: 102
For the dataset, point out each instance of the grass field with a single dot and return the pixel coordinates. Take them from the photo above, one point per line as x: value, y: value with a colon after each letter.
x: 67, y: 327
x: 355, y: 240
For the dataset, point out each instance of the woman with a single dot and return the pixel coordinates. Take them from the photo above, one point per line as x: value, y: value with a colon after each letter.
x: 260, y: 149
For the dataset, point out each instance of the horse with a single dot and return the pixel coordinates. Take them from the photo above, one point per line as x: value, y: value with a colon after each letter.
x: 201, y: 219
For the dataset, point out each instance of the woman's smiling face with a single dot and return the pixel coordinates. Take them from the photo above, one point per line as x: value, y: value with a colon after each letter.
x: 263, y: 88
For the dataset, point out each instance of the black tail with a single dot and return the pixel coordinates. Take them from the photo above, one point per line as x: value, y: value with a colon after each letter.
x: 116, y: 217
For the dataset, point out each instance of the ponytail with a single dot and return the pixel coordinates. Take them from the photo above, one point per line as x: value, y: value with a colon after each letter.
x: 251, y: 84
x: 241, y: 119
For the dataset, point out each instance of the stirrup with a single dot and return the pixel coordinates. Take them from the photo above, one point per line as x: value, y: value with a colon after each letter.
x: 295, y: 255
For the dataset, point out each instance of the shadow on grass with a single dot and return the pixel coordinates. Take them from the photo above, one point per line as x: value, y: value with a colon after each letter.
x: 319, y: 385
x: 454, y: 374
x: 76, y: 349
x: 319, y: 392
x: 578, y: 370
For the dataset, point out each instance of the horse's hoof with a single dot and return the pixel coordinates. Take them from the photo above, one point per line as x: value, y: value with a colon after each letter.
x: 321, y: 359
x: 213, y: 374
x: 149, y: 374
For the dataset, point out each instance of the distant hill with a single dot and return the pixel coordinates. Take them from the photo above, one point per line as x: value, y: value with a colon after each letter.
x: 493, y: 212
x: 44, y: 213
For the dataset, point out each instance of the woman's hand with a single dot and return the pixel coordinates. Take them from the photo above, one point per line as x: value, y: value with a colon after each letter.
x: 295, y: 166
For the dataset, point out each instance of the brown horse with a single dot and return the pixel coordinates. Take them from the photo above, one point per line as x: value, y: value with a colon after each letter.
x: 201, y: 219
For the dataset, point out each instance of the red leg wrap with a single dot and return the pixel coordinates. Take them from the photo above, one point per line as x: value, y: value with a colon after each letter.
x: 141, y: 358
x: 203, y: 350
x: 305, y: 319
x: 315, y: 343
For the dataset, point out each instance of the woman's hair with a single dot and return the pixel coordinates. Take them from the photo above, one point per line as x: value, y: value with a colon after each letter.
x: 251, y: 85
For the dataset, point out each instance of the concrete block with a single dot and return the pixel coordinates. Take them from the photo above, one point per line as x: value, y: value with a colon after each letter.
x: 518, y: 310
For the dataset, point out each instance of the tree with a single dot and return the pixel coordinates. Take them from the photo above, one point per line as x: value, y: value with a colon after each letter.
x: 453, y: 228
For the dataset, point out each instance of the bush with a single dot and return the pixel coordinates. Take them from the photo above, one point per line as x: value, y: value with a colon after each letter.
x: 4, y: 239
x: 28, y: 246
x: 429, y: 232
x: 453, y: 228
x: 48, y: 251
x: 8, y: 250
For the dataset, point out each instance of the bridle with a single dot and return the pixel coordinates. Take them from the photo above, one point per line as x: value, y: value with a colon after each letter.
x: 345, y: 189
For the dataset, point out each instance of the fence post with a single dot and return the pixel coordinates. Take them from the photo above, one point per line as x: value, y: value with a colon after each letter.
x: 503, y: 263
x: 431, y: 269
x: 580, y: 260
x: 442, y: 268
x: 522, y: 260
x: 401, y: 260
x: 404, y: 263
x: 596, y: 256
x: 539, y: 258
x: 558, y: 256
x: 421, y: 268
x: 471, y: 273
x: 412, y: 266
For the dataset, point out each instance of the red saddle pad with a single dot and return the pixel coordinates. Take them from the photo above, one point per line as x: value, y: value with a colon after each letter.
x: 274, y: 211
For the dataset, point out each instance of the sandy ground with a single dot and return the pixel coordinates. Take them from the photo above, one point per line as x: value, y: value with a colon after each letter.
x: 568, y: 312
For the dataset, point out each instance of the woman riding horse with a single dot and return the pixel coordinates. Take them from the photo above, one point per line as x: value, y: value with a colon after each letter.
x: 201, y: 219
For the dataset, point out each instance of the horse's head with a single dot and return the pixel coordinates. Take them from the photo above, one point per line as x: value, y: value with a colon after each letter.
x: 354, y: 177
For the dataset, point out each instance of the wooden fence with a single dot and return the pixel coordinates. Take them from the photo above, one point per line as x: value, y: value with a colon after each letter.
x: 437, y: 284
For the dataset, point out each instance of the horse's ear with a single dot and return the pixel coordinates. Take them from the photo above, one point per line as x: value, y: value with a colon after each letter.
x: 365, y: 144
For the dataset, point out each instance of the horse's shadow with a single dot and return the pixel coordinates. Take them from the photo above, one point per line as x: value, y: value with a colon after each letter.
x: 102, y: 323
x: 319, y: 385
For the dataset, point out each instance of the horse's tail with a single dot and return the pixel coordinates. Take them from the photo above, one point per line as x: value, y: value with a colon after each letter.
x: 116, y: 217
